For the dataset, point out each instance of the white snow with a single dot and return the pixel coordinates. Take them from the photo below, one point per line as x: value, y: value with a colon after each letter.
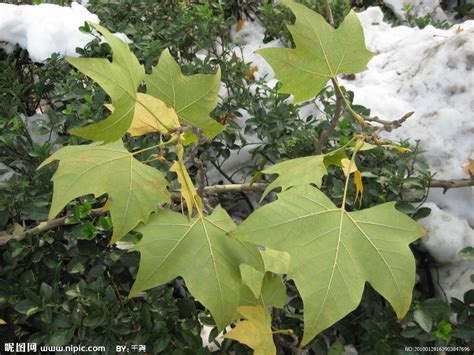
x: 45, y: 29
x: 447, y: 235
x: 419, y: 8
x: 428, y: 71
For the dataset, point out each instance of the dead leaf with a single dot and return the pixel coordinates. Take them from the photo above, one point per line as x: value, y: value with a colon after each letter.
x: 239, y: 25
x: 359, y: 186
x: 251, y: 72
x: 469, y: 167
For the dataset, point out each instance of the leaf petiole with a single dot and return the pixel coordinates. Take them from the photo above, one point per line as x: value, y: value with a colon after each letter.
x: 173, y: 139
x: 351, y: 164
x: 349, y: 108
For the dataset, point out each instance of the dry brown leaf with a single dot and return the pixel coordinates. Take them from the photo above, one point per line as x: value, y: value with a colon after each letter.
x: 251, y: 72
x: 469, y: 167
x: 239, y: 25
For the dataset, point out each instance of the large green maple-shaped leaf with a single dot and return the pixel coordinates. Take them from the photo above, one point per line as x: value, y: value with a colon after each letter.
x: 321, y: 52
x: 200, y: 251
x: 334, y: 252
x: 134, y: 189
x: 299, y: 171
x: 120, y: 79
x: 192, y: 97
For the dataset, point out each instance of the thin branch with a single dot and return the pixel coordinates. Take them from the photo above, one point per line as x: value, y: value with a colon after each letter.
x: 328, y: 12
x: 221, y: 189
x: 445, y: 184
x: 323, y: 138
x: 389, y: 125
x: 222, y: 172
x: 218, y: 189
x: 45, y: 226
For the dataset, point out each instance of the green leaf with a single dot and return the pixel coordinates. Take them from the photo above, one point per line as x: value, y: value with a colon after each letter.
x: 273, y: 293
x: 334, y: 252
x: 255, y: 331
x: 27, y: 308
x: 443, y: 331
x: 134, y: 189
x: 120, y: 80
x: 252, y: 278
x: 467, y: 253
x: 299, y: 171
x: 192, y: 97
x: 321, y: 52
x: 423, y: 319
x: 336, y: 349
x: 200, y: 251
x: 276, y: 261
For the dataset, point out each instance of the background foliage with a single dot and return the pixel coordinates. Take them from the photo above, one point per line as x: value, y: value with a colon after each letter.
x: 67, y: 286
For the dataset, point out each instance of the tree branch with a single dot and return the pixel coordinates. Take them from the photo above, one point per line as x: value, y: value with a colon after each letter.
x: 328, y: 12
x: 389, y: 125
x: 323, y: 138
x: 218, y: 189
x: 45, y: 226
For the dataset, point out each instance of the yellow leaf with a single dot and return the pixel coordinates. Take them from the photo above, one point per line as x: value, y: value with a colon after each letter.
x: 401, y: 149
x: 469, y: 167
x: 366, y: 146
x: 188, y: 191
x: 151, y: 115
x: 346, y: 164
x: 251, y: 72
x: 239, y: 25
x: 2, y: 321
x: 359, y: 186
x: 106, y: 206
x: 255, y: 331
x: 459, y: 29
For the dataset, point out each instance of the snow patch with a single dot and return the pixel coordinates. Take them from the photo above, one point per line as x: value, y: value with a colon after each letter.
x: 428, y: 71
x: 420, y: 8
x: 447, y: 235
x: 46, y: 29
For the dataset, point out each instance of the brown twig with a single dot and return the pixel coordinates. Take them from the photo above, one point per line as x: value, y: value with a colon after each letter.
x: 323, y: 138
x: 389, y: 125
x: 45, y: 226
